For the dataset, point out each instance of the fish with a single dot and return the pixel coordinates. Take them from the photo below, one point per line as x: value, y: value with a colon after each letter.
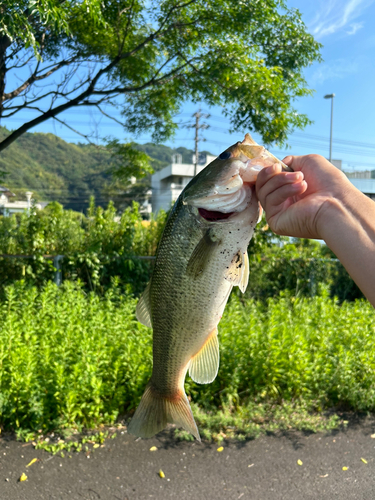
x: 202, y: 254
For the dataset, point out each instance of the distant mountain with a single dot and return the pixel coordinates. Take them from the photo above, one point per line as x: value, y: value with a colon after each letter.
x: 56, y: 170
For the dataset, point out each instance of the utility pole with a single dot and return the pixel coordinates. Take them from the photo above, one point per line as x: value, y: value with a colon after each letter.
x: 330, y: 96
x: 197, y: 126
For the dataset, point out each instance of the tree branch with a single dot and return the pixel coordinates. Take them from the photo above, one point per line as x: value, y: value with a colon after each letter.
x: 34, y: 78
x: 109, y: 116
x: 73, y: 129
x: 152, y: 81
x: 173, y: 8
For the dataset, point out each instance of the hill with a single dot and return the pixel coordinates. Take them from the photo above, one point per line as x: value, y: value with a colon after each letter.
x: 69, y: 173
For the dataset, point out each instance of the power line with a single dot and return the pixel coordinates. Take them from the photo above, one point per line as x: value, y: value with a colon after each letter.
x: 337, y: 141
x: 303, y: 135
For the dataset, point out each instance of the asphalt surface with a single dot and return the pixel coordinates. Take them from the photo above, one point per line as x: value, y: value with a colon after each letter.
x: 262, y: 469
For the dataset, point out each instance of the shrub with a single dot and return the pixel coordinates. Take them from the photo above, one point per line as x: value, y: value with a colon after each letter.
x: 70, y: 358
x: 101, y: 246
x: 97, y: 247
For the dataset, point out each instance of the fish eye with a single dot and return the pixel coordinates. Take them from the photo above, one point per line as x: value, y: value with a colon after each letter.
x: 225, y: 155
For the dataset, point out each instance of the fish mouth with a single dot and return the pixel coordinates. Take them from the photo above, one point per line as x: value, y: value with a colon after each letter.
x: 214, y: 215
x: 221, y: 204
x: 227, y: 185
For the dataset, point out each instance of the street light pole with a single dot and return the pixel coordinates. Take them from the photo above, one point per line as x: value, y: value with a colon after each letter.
x: 28, y: 197
x: 330, y: 96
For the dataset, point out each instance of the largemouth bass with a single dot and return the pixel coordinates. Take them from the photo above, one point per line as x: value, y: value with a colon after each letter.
x: 201, y: 256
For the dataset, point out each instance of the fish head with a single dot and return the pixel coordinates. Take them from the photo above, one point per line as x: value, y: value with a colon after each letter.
x: 226, y: 186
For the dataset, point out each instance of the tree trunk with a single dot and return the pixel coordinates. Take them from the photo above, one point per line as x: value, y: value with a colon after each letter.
x: 4, y: 44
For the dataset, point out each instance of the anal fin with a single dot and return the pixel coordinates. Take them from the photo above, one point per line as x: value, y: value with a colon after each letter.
x: 205, y: 364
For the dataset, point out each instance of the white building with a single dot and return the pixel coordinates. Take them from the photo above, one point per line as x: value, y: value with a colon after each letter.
x: 363, y: 181
x: 367, y: 186
x: 168, y: 183
x: 365, y: 174
x: 8, y: 207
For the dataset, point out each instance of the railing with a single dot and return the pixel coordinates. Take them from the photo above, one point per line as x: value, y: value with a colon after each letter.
x: 58, y: 258
x: 56, y: 263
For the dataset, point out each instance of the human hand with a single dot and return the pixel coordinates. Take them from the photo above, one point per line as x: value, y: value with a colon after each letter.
x: 297, y: 203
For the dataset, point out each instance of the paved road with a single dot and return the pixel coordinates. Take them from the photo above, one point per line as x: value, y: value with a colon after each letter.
x: 264, y: 469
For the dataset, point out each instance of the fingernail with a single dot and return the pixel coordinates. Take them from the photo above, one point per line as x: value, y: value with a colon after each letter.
x: 287, y: 159
x: 276, y: 167
x: 294, y: 176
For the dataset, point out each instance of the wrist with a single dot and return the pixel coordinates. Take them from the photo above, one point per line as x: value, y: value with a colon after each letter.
x: 339, y: 217
x: 348, y: 228
x: 327, y: 219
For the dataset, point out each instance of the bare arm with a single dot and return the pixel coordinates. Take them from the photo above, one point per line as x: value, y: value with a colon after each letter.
x: 318, y: 201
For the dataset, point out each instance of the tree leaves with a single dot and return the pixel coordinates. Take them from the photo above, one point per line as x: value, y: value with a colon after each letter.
x: 151, y: 57
x: 128, y: 161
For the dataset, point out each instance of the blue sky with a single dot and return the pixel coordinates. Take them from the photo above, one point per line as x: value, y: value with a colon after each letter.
x: 345, y: 28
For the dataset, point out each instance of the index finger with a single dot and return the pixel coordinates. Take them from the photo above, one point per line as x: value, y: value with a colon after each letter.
x: 273, y: 178
x: 266, y: 173
x: 294, y: 162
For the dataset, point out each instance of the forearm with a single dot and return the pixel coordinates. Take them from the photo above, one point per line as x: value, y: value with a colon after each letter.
x: 348, y: 228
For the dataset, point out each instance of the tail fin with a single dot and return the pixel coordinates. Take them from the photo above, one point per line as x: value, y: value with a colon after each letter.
x: 155, y: 412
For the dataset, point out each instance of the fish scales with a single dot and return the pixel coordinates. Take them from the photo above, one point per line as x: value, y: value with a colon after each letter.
x: 188, y: 309
x: 201, y: 256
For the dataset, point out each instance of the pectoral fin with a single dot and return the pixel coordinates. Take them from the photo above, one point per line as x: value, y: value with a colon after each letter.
x: 143, y: 310
x: 245, y: 275
x: 238, y: 271
x: 205, y: 365
x: 201, y: 255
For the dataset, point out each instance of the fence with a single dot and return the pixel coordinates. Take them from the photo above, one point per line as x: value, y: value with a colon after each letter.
x: 270, y: 276
x: 56, y: 263
x: 57, y: 259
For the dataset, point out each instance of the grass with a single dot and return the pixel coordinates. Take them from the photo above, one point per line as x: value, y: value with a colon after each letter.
x: 254, y: 418
x: 71, y: 361
x: 68, y: 359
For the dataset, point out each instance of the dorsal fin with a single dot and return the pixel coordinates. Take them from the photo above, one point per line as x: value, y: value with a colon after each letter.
x: 249, y: 141
x: 205, y: 364
x: 143, y: 309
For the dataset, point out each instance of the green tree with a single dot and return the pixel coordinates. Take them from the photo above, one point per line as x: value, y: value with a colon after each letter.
x: 150, y: 57
x: 128, y: 172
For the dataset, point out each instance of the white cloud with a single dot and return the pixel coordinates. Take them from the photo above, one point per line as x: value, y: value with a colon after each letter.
x: 354, y: 28
x: 335, y: 15
x: 340, y: 68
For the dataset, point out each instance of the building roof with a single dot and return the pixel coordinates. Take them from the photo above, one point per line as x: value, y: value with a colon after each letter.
x: 6, y: 190
x: 179, y: 169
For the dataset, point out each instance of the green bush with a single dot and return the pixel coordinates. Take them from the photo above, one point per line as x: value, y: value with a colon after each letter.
x: 70, y: 358
x: 101, y: 246
x: 299, y: 267
x: 97, y: 247
x: 292, y: 348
